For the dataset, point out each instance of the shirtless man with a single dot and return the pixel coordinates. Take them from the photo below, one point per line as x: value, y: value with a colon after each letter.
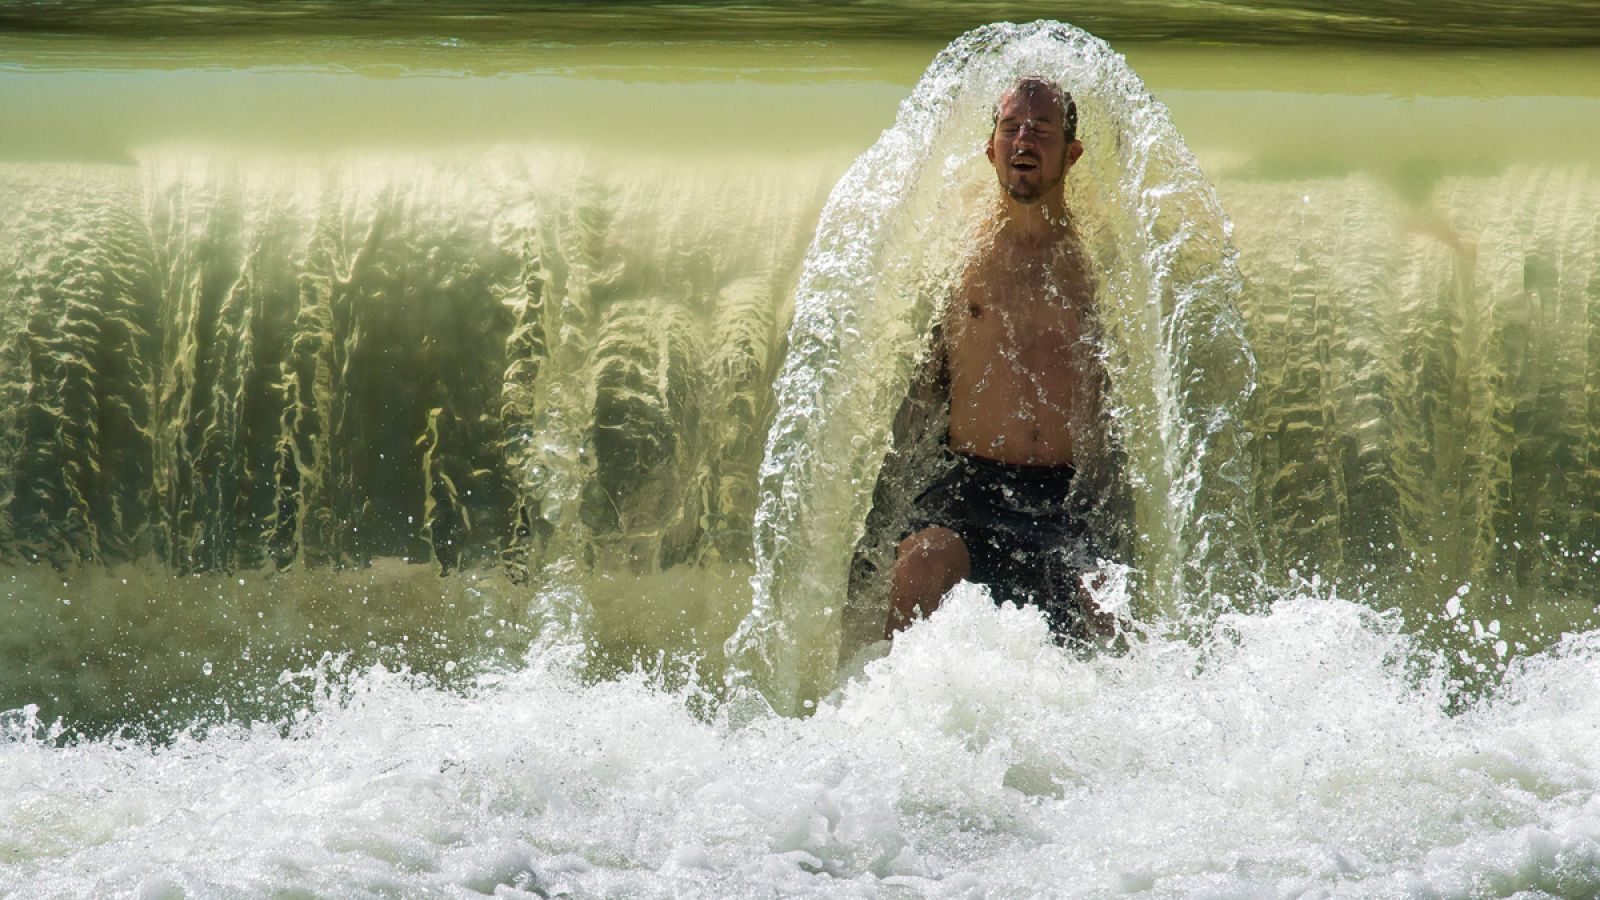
x: 1024, y: 384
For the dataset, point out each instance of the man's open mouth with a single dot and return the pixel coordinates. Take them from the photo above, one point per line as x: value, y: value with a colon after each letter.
x: 1024, y: 163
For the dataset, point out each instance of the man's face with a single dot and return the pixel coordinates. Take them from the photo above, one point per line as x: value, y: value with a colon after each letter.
x: 1028, y: 147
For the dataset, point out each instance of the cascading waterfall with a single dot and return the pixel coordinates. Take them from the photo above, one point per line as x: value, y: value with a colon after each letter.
x: 1425, y: 417
x: 510, y: 367
x: 226, y: 365
x: 520, y: 360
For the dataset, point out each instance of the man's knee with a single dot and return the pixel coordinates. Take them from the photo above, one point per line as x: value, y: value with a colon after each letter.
x: 935, y: 552
x: 927, y: 564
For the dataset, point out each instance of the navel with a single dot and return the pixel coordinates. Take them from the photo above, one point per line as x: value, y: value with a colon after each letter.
x: 975, y: 310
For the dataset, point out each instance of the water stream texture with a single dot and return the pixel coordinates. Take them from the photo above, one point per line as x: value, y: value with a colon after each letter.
x: 418, y: 520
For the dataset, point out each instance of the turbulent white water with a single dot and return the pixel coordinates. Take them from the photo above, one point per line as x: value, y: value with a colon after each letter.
x: 1302, y: 752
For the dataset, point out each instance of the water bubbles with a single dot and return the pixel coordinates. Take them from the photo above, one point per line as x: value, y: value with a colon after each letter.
x: 206, y: 669
x: 19, y: 724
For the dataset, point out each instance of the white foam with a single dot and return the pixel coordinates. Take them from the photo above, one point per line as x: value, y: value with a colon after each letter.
x: 1306, y: 750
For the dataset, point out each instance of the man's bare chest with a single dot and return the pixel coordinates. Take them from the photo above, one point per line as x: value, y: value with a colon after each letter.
x: 1027, y: 323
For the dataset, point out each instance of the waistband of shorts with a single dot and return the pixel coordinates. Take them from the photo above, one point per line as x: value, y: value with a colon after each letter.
x: 1061, y: 473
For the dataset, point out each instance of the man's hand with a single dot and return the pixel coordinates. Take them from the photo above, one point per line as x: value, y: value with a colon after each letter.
x: 1102, y: 595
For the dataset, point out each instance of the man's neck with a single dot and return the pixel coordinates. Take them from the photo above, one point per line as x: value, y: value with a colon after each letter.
x: 1033, y: 223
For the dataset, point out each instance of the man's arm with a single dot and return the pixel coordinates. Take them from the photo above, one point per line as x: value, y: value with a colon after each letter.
x: 930, y: 389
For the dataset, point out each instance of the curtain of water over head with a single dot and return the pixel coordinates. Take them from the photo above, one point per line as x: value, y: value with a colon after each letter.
x: 892, y: 239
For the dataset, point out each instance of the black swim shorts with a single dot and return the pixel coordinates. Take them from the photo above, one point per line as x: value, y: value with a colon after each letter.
x: 1024, y: 530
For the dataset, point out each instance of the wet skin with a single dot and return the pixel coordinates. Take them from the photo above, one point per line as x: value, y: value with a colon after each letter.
x: 1021, y: 363
x: 1023, y: 371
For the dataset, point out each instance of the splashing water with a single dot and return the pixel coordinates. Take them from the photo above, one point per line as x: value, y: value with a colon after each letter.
x: 882, y: 257
x: 1295, y: 742
x: 1305, y: 750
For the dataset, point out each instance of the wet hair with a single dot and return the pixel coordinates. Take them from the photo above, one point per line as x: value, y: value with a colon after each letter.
x: 1034, y: 84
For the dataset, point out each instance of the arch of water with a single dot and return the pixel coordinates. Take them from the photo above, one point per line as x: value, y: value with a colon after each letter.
x: 884, y: 252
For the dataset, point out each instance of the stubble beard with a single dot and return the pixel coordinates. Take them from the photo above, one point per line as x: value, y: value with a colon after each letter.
x: 1026, y: 195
